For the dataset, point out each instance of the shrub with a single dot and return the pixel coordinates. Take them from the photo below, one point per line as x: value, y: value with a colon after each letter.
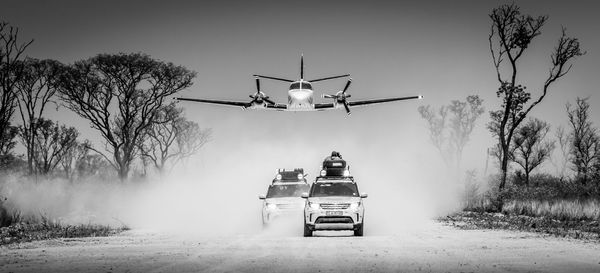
x: 560, y: 209
x: 548, y: 187
x: 26, y: 232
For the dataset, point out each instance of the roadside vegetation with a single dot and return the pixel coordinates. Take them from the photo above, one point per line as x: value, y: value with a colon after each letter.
x: 21, y: 231
x: 562, y: 206
x: 547, y: 176
x: 125, y: 97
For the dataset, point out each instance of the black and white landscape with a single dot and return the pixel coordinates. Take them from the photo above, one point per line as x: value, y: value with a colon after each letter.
x: 473, y: 129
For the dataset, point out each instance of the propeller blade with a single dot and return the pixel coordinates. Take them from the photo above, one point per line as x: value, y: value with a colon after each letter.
x: 268, y: 100
x: 302, y: 67
x: 272, y: 78
x: 347, y: 85
x: 327, y: 96
x: 330, y: 78
x: 257, y: 84
x: 346, y: 107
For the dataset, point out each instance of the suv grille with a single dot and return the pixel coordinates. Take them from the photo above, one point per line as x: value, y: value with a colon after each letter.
x: 334, y: 220
x: 335, y: 206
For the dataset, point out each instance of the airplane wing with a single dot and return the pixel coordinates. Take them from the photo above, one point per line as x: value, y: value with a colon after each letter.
x: 366, y: 102
x: 278, y: 106
x: 327, y: 106
x: 222, y: 102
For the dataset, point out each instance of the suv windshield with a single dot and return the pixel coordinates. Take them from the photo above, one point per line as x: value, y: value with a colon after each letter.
x: 323, y: 189
x: 286, y: 190
x: 290, y: 176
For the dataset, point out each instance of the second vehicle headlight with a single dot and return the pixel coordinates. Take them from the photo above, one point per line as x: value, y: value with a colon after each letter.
x: 354, y: 205
x: 271, y: 206
x: 314, y: 205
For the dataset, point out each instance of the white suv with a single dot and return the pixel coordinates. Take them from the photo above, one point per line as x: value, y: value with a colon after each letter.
x: 334, y: 203
x: 282, y: 199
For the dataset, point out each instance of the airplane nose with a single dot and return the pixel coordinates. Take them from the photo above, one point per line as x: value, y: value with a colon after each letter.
x: 301, y: 95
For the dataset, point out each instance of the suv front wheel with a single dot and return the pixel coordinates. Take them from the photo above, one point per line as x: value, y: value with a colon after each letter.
x: 359, y: 229
x: 307, y: 231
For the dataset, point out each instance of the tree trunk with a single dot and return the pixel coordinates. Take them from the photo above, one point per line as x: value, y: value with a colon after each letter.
x: 31, y: 147
x: 30, y: 161
x: 504, y: 168
x: 123, y: 172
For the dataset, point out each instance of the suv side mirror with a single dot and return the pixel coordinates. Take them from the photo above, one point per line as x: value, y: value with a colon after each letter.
x: 262, y: 197
x: 364, y: 195
x: 304, y: 195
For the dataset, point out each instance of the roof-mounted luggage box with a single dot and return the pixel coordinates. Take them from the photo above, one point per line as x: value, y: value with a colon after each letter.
x: 334, y: 166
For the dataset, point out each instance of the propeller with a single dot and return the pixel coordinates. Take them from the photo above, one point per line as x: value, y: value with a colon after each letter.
x: 341, y: 96
x: 259, y: 96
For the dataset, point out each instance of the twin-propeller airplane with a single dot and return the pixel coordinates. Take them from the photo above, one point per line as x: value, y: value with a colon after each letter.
x: 300, y: 96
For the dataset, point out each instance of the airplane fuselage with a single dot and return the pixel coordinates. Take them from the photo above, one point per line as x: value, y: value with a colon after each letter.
x: 300, y: 97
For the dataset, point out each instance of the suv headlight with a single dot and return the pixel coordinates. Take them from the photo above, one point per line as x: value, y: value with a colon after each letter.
x: 314, y: 205
x: 271, y: 206
x: 354, y: 205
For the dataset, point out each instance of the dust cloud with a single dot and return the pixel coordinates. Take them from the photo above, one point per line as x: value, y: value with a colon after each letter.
x: 223, y: 201
x: 216, y: 192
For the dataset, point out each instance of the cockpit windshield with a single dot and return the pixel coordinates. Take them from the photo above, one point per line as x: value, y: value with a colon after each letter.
x: 296, y: 85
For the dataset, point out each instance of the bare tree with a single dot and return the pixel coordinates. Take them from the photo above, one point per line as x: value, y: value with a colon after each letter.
x: 437, y: 123
x: 451, y: 126
x: 511, y: 34
x: 564, y: 144
x: 462, y: 123
x: 73, y: 157
x: 51, y: 143
x: 10, y: 73
x: 120, y: 95
x: 94, y: 165
x: 585, y: 145
x: 472, y: 192
x: 531, y: 148
x: 190, y: 139
x: 7, y: 145
x: 172, y: 138
x: 35, y: 89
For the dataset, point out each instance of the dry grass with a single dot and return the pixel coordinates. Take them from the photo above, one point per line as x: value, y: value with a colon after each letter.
x: 16, y: 229
x: 560, y: 209
x: 26, y: 232
x: 577, y: 229
x: 549, y: 205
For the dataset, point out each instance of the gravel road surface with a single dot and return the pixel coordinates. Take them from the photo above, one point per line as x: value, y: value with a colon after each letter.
x: 434, y: 248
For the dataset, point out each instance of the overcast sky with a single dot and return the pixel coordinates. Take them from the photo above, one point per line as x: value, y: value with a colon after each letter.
x: 394, y: 48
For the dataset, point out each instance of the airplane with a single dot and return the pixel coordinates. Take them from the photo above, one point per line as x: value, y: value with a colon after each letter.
x: 300, y: 96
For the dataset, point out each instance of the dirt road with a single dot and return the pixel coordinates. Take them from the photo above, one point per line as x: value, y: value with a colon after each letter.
x: 435, y: 248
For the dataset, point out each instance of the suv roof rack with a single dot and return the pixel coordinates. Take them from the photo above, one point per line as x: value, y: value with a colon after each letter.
x: 288, y: 176
x: 329, y: 178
